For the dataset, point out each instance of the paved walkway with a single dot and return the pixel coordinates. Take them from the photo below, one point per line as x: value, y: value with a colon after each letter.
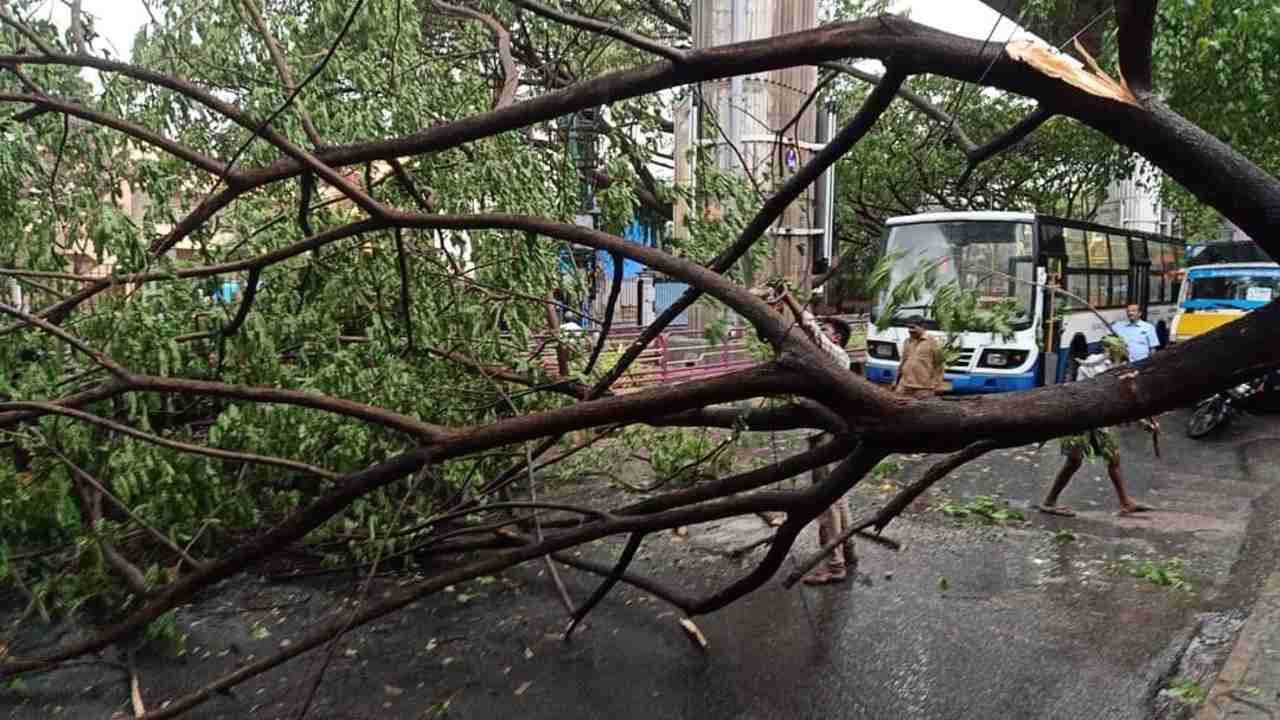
x: 1248, y: 687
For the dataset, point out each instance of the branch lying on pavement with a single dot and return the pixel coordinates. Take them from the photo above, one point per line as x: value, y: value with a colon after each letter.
x: 893, y: 509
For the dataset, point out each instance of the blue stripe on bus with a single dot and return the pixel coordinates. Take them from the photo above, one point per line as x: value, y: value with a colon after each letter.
x: 1202, y: 272
x: 1220, y: 304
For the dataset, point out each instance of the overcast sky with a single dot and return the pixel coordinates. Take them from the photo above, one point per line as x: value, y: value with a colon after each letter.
x: 119, y: 20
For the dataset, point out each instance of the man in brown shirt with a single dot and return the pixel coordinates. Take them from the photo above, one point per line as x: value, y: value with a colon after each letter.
x: 920, y: 375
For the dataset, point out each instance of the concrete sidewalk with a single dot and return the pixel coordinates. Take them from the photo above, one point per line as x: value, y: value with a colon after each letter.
x: 1248, y: 687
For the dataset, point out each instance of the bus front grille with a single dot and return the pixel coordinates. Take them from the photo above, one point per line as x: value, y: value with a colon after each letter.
x: 962, y: 361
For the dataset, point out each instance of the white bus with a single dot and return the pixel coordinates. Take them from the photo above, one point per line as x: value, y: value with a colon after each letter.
x: 1013, y: 255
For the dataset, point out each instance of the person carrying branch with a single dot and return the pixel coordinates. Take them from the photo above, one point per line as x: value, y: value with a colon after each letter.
x: 1096, y: 443
x: 830, y: 334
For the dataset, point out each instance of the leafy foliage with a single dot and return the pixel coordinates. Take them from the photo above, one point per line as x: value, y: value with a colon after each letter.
x: 984, y: 508
x: 1212, y: 60
x: 1187, y: 690
x: 1168, y: 573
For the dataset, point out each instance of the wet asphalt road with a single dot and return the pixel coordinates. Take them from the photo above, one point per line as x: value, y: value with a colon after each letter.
x: 968, y: 621
x: 1029, y: 626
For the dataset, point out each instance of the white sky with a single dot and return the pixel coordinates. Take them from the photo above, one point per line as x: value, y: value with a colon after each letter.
x: 118, y: 20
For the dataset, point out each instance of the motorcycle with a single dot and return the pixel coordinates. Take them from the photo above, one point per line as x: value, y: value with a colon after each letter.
x: 1220, y: 408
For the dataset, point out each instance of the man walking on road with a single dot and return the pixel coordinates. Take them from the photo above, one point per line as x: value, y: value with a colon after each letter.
x: 920, y: 375
x: 1139, y: 335
x: 1095, y: 443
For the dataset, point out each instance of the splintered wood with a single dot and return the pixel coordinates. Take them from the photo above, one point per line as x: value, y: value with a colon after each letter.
x: 1055, y: 64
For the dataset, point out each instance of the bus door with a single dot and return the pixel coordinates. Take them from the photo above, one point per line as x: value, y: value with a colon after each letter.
x: 1051, y: 323
x: 1140, y: 284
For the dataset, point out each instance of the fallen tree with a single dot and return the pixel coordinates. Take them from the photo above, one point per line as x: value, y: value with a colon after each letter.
x: 148, y: 390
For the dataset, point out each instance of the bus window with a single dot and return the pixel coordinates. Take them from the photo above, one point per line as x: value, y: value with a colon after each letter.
x: 1119, y: 289
x: 1077, y: 256
x: 1078, y: 285
x: 1051, y: 239
x: 1159, y: 293
x: 1097, y: 243
x: 1099, y: 288
x: 977, y: 255
x: 1120, y: 253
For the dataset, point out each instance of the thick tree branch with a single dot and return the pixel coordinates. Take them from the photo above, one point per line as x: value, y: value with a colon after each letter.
x: 816, y: 499
x: 398, y: 599
x: 1186, y: 153
x: 1137, y: 19
x: 89, y: 495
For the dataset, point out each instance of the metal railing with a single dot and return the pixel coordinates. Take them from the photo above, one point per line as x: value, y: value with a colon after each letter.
x: 680, y: 356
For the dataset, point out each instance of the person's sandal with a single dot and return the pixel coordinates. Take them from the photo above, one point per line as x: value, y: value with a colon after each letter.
x: 825, y: 577
x: 818, y: 577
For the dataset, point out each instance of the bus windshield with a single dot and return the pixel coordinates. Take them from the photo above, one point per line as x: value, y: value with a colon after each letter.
x: 1235, y: 288
x: 994, y: 259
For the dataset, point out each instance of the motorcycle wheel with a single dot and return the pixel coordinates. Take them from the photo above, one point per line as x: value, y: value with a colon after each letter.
x: 1207, y: 416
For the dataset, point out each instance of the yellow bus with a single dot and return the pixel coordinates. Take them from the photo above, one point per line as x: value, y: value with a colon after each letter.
x: 1214, y: 295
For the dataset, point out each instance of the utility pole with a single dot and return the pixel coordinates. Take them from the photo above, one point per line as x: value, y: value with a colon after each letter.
x: 754, y: 125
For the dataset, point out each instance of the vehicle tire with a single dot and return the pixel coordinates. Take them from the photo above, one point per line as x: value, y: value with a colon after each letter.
x: 1208, y: 415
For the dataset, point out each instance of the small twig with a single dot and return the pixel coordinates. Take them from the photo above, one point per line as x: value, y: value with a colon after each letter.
x: 510, y: 73
x: 135, y: 686
x: 1015, y: 135
x: 615, y: 289
x: 402, y: 265
x: 282, y: 67
x: 55, y: 409
x: 930, y: 110
x: 102, y: 359
x: 628, y: 554
x: 893, y: 509
x: 637, y: 41
x: 160, y: 537
x: 26, y: 32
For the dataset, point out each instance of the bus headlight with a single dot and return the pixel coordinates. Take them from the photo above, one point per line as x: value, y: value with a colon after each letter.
x: 881, y: 350
x: 1002, y: 358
